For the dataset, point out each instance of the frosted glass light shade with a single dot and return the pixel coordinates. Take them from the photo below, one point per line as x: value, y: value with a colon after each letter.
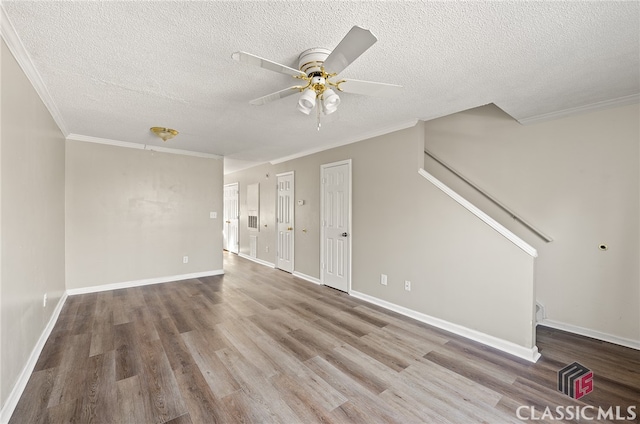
x: 307, y: 99
x: 330, y: 101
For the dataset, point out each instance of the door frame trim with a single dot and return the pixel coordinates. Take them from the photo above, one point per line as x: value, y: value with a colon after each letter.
x: 293, y: 219
x: 324, y: 166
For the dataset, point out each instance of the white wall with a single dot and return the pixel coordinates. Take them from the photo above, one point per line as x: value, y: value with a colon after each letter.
x: 461, y: 270
x: 31, y: 220
x: 133, y: 214
x: 577, y: 179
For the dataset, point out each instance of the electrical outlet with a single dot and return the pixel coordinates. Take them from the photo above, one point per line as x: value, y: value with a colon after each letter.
x: 185, y: 259
x: 44, y: 301
x: 407, y: 285
x: 383, y: 279
x: 266, y: 248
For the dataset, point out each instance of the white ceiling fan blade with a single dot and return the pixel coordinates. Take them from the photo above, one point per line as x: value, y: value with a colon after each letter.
x: 369, y: 88
x: 275, y: 96
x: 356, y: 42
x: 252, y: 59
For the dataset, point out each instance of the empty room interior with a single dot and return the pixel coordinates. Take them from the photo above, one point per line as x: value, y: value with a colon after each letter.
x: 327, y: 211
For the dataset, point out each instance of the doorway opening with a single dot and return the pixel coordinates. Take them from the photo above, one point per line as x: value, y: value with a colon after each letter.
x: 231, y: 215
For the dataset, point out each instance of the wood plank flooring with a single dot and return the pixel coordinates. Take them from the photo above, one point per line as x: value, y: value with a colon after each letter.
x: 258, y: 345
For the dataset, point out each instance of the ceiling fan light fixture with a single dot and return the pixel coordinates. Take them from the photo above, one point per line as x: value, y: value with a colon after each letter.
x: 164, y: 133
x: 328, y: 110
x: 307, y: 99
x: 317, y: 68
x: 304, y: 109
x: 330, y: 101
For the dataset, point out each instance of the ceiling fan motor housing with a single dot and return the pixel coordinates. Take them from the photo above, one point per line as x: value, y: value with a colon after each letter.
x: 310, y: 61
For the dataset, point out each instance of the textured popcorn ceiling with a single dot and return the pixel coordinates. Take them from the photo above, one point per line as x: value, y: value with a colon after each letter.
x: 114, y: 69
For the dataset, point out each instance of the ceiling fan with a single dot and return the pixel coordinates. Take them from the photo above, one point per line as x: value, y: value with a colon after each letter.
x: 318, y: 71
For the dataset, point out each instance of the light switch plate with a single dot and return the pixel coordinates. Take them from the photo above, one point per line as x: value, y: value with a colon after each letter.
x: 213, y: 215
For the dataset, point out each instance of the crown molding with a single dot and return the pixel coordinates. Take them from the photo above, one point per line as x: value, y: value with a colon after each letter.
x: 375, y: 133
x: 181, y: 152
x: 18, y: 50
x: 139, y: 146
x: 242, y: 167
x: 110, y: 142
x: 605, y: 104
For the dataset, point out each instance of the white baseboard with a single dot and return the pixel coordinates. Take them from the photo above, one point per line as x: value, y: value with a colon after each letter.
x: 145, y: 282
x: 530, y: 354
x: 23, y: 379
x: 622, y: 341
x: 260, y: 261
x: 306, y: 277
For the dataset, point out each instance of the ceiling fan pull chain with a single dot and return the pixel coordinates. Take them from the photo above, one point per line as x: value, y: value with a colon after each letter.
x: 318, y: 115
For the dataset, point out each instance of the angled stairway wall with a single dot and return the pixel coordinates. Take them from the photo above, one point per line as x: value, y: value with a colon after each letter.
x: 578, y: 180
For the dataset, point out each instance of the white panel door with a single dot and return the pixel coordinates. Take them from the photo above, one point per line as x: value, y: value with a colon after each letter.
x: 231, y: 214
x: 284, y: 222
x: 336, y: 222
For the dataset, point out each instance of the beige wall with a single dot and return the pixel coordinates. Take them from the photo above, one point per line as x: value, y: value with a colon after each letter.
x: 307, y: 216
x: 461, y: 270
x: 133, y: 214
x: 130, y: 215
x: 31, y: 219
x: 577, y: 179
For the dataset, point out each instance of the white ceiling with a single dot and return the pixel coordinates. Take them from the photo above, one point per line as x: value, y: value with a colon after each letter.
x: 111, y: 70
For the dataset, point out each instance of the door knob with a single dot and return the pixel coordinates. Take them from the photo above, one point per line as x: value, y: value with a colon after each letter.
x: 228, y: 222
x: 289, y: 228
x: 344, y: 234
